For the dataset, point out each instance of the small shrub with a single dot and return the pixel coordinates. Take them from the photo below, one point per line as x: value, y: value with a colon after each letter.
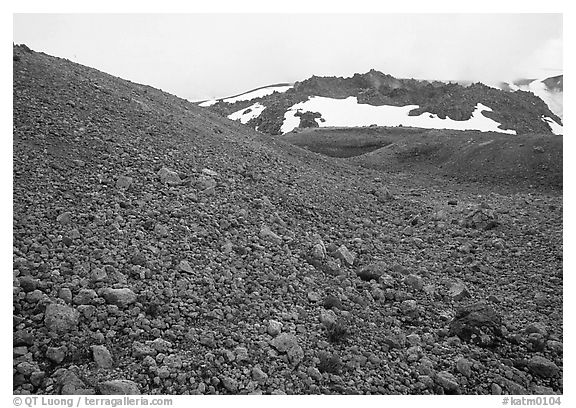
x: 329, y: 363
x: 337, y: 331
x: 331, y: 302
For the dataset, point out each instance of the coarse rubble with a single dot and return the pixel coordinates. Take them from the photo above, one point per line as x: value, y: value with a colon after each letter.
x: 153, y: 254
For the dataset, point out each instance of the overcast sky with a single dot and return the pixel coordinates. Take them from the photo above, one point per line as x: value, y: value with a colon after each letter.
x: 200, y: 56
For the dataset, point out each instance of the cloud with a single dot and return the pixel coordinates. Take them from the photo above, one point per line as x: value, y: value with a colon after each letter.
x: 545, y: 60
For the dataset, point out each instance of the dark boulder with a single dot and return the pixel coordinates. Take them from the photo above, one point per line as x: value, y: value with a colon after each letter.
x: 477, y: 323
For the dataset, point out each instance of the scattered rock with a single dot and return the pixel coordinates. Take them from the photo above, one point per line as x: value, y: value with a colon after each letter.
x: 64, y: 218
x: 495, y: 389
x: 410, y: 309
x: 56, y: 354
x: 543, y: 367
x: 173, y: 361
x: 37, y: 377
x: 284, y: 342
x: 447, y: 381
x: 141, y: 350
x: 274, y: 327
x: 327, y: 318
x: 60, y: 318
x: 98, y: 275
x: 230, y: 384
x: 414, y: 282
x: 288, y: 343
x: 383, y: 195
x: 184, y: 266
x: 481, y: 217
x: 27, y: 283
x: 259, y: 376
x: 120, y: 297
x: 458, y: 291
x: 85, y: 297
x: 65, y: 294
x: 477, y: 322
x: 102, y: 356
x: 70, y: 382
x: 124, y: 182
x: 464, y: 367
x: 344, y: 255
x: 313, y: 297
x: 372, y: 272
x: 168, y: 176
x: 161, y: 230
x: 493, y: 299
x: 267, y: 234
x: 26, y: 369
x: 209, y: 172
x: 537, y: 327
x: 138, y: 259
x: 414, y: 339
x: 119, y: 387
x: 241, y: 354
x: 318, y: 251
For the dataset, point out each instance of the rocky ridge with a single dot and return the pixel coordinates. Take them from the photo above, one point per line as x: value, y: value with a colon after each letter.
x: 521, y: 111
x: 162, y: 249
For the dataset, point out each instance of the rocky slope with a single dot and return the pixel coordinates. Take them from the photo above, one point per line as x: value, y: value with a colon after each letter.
x: 160, y: 248
x: 550, y: 90
x: 508, y: 163
x: 428, y: 104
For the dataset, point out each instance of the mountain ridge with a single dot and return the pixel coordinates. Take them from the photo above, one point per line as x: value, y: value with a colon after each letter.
x: 520, y: 111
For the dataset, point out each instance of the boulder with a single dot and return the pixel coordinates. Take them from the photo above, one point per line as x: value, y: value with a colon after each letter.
x: 274, y: 327
x: 543, y: 367
x: 372, y: 272
x: 124, y: 182
x: 481, y: 217
x: 184, y: 266
x: 60, y: 318
x: 284, y: 342
x: 477, y: 322
x: 344, y: 255
x: 447, y: 381
x: 169, y: 177
x: 119, y: 387
x: 267, y: 234
x: 120, y: 297
x: 102, y: 356
x: 458, y: 291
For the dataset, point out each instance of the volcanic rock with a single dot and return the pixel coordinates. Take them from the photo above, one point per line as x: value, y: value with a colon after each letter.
x: 120, y: 297
x: 119, y: 387
x: 477, y: 322
x: 60, y: 318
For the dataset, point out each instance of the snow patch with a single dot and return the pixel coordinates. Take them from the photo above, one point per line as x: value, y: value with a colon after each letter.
x: 554, y: 100
x: 349, y: 113
x: 291, y: 121
x: 556, y: 128
x: 247, y: 114
x: 205, y: 104
x: 258, y: 93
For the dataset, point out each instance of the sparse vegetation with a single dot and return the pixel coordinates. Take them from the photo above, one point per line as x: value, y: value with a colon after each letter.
x: 337, y: 331
x: 331, y: 302
x: 329, y: 363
